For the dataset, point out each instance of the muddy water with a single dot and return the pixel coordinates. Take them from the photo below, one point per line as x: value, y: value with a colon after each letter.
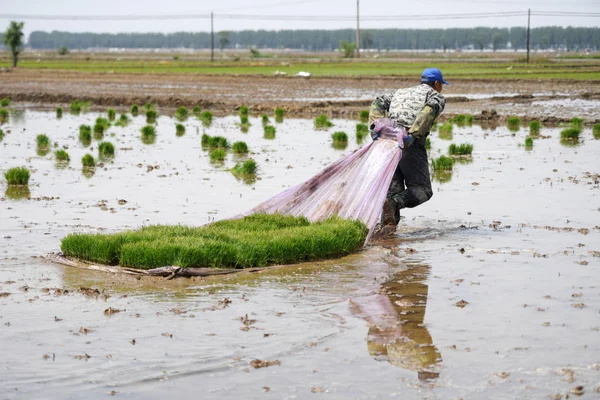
x: 489, y: 290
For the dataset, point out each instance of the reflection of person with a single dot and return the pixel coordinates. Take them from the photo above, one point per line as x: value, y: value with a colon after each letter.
x: 416, y: 109
x: 396, y: 330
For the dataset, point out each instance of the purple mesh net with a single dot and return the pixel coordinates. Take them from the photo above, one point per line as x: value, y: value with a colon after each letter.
x: 353, y: 187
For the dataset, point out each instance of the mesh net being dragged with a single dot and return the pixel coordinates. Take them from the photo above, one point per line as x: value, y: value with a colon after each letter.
x: 353, y: 187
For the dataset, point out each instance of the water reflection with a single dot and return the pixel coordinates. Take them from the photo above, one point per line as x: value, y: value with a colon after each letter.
x: 442, y: 176
x: 17, y: 192
x: 396, y: 330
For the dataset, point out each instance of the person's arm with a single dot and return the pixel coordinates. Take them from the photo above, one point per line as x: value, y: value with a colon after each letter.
x: 426, y: 117
x: 379, y: 108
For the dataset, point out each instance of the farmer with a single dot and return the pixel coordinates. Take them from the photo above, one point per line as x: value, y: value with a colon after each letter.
x: 416, y: 109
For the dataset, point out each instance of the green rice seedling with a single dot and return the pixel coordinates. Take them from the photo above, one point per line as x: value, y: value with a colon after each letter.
x: 205, y: 140
x: 243, y: 111
x: 217, y: 155
x: 577, y: 123
x: 106, y: 150
x: 463, y: 149
x: 122, y: 121
x: 179, y: 129
x: 265, y: 119
x: 85, y: 135
x: 427, y: 143
x: 469, y: 120
x: 4, y: 102
x: 442, y: 163
x: 17, y: 176
x: 88, y: 161
x: 196, y: 111
x: 528, y: 143
x: 269, y: 132
x: 1, y: 135
x: 254, y: 241
x: 364, y: 116
x: 62, y: 156
x: 3, y: 115
x: 59, y: 112
x: 279, y: 114
x: 151, y: 116
x: 322, y: 122
x: 459, y: 119
x: 76, y: 106
x: 362, y: 130
x: 98, y: 131
x: 245, y: 169
x: 244, y: 120
x: 206, y: 117
x: 596, y: 131
x: 445, y: 131
x: 43, y: 142
x: 514, y: 123
x: 214, y: 142
x: 534, y: 128
x: 135, y: 110
x: 111, y: 114
x: 148, y: 107
x: 339, y: 136
x: 240, y: 148
x: 570, y: 133
x: 148, y: 134
x: 181, y: 113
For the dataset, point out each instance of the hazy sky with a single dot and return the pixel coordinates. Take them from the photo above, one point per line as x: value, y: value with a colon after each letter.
x: 288, y: 8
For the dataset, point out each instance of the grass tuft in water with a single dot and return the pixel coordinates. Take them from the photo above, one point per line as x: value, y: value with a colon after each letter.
x: 135, y: 110
x: 78, y: 106
x: 181, y: 113
x: 17, y: 176
x: 442, y: 163
x: 43, y: 142
x: 322, y: 122
x: 240, y: 148
x: 269, y: 132
x: 254, y: 241
x: 214, y: 142
x: 528, y: 143
x: 179, y: 129
x: 196, y: 111
x: 445, y: 131
x: 462, y: 120
x: 245, y: 169
x: 123, y: 121
x: 279, y: 114
x: 3, y: 115
x: 514, y: 123
x: 217, y: 155
x: 362, y: 130
x: 1, y: 135
x: 106, y: 150
x: 596, y: 131
x: 111, y: 113
x: 364, y: 116
x: 577, y: 123
x: 4, y: 102
x: 339, y: 137
x: 151, y: 116
x: 460, y: 150
x: 265, y: 120
x: 534, y: 128
x: 148, y: 134
x: 88, y: 161
x: 62, y: 156
x: 427, y: 144
x: 570, y: 133
x: 100, y: 127
x: 243, y: 111
x: 206, y: 117
x: 85, y: 135
x: 148, y: 107
x: 59, y: 112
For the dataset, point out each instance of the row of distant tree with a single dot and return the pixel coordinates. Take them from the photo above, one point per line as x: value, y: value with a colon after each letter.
x: 543, y: 38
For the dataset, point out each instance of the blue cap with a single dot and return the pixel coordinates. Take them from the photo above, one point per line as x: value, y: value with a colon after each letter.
x: 433, y: 75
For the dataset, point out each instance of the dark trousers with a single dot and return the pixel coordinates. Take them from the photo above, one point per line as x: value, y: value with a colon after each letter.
x: 411, y: 184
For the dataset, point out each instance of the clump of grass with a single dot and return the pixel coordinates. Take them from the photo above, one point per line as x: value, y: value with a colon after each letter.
x: 148, y: 134
x: 269, y: 132
x: 322, y: 122
x: 577, y: 123
x: 1, y: 135
x: 214, y: 142
x: 206, y: 117
x: 279, y: 114
x: 570, y: 133
x: 265, y: 119
x: 528, y: 143
x: 181, y: 113
x: 135, y: 110
x: 3, y: 115
x: 111, y: 114
x: 217, y: 155
x: 445, y: 131
x: 364, y: 116
x: 123, y: 121
x: 442, y: 163
x: 100, y: 127
x: 196, y: 111
x: 245, y: 169
x: 148, y: 107
x: 534, y: 128
x: 85, y: 134
x: 243, y: 111
x: 88, y: 161
x: 596, y: 131
x: 362, y: 130
x: 17, y: 176
x: 240, y: 148
x: 254, y: 241
x: 179, y: 129
x: 43, y: 142
x: 151, y: 116
x: 514, y: 123
x: 339, y: 137
x: 244, y: 120
x: 462, y: 120
x: 78, y: 106
x: 427, y: 143
x: 4, y: 102
x: 460, y: 150
x: 62, y: 156
x: 106, y: 150
x: 59, y: 112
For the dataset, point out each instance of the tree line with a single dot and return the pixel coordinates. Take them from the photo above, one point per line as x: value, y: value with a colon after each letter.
x: 542, y: 38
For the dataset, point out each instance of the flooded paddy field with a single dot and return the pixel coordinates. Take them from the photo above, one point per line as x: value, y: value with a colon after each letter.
x: 489, y: 290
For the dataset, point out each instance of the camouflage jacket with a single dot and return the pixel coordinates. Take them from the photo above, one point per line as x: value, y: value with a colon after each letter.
x: 405, y: 104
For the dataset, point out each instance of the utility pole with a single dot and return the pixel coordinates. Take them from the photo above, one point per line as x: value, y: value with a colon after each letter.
x: 528, y: 27
x: 357, y: 31
x: 212, y: 38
